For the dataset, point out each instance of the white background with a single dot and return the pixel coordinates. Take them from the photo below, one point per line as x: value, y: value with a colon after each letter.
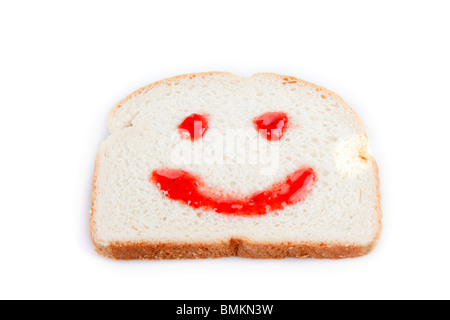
x: 64, y: 65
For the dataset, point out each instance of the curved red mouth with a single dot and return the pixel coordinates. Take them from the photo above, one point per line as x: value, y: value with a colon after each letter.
x: 185, y: 187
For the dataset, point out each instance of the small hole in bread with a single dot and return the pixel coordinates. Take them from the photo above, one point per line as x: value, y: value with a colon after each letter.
x: 333, y: 139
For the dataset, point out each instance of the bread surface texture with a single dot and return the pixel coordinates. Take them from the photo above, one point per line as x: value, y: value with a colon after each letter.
x: 132, y: 219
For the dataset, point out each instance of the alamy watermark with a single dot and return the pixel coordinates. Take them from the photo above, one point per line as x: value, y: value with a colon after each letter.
x: 235, y: 146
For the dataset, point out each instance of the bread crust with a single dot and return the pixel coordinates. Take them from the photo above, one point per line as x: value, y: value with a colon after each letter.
x: 130, y: 250
x: 234, y: 248
x: 287, y: 80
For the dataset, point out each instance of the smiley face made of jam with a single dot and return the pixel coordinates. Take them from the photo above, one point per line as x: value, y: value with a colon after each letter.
x: 190, y: 189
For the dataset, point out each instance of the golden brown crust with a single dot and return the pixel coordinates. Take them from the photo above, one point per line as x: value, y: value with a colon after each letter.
x: 325, y: 93
x: 378, y: 208
x: 233, y: 248
x: 129, y: 250
x: 92, y: 227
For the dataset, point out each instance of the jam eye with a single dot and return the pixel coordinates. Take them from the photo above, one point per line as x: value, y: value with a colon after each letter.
x: 271, y: 125
x: 193, y: 127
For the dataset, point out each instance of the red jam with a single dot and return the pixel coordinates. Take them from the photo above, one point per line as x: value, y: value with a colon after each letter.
x: 184, y: 187
x: 271, y: 125
x: 193, y: 127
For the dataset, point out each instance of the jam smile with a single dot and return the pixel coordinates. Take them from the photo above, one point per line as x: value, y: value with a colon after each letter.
x: 189, y: 189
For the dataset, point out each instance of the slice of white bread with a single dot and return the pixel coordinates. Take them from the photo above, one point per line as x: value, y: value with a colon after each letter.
x: 132, y: 218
